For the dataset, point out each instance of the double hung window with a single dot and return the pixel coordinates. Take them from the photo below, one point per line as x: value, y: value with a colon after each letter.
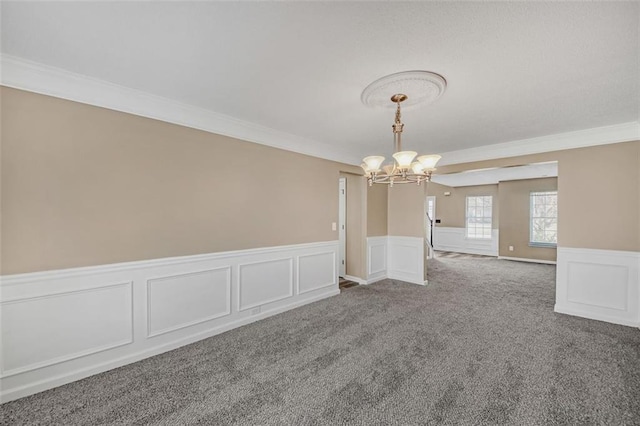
x: 478, y: 217
x: 543, y: 229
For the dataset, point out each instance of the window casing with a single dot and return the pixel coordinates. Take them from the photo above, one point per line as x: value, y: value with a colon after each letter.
x: 479, y: 217
x: 543, y: 224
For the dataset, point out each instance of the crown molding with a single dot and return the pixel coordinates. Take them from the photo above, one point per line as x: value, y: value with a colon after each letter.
x: 26, y: 75
x: 623, y: 132
x: 39, y: 78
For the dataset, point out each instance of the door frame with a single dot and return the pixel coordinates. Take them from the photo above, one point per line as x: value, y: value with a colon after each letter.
x: 342, y: 226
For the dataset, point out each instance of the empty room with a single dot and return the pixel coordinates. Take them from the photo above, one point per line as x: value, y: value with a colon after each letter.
x: 319, y: 213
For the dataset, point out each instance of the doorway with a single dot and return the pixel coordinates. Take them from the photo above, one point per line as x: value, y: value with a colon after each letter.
x: 342, y: 227
x: 430, y: 218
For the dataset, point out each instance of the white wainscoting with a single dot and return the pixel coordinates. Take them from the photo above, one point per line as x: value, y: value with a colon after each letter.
x: 61, y: 326
x: 599, y: 284
x: 406, y: 259
x: 377, y: 258
x: 453, y: 239
x: 399, y: 258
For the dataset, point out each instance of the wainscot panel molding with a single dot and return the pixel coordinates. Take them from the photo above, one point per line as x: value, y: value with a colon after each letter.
x: 182, y: 300
x: 405, y: 259
x: 397, y: 258
x: 376, y: 258
x: 453, y: 239
x: 64, y: 325
x: 599, y: 284
x: 316, y: 271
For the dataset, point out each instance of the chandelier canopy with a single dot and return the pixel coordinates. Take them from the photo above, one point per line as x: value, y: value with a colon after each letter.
x: 403, y: 169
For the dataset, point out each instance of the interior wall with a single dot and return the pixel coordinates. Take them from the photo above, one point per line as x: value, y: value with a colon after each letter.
x: 356, y: 224
x: 83, y: 185
x: 377, y: 206
x: 451, y: 209
x: 598, y: 202
x: 406, y: 211
x: 514, y: 206
x: 406, y: 218
x: 594, y: 184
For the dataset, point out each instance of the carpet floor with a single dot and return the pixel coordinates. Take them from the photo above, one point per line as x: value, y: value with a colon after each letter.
x: 479, y: 345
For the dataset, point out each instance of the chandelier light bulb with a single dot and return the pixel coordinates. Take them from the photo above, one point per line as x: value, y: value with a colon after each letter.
x: 373, y: 163
x: 404, y: 158
x: 417, y: 168
x: 429, y: 161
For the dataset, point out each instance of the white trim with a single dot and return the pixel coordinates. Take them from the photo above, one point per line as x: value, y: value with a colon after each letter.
x: 39, y: 78
x: 356, y: 279
x: 523, y: 259
x: 402, y: 259
x: 10, y: 280
x: 376, y: 279
x: 64, y: 361
x: 342, y: 226
x: 623, y: 132
x: 80, y: 373
x: 59, y: 360
x: 149, y: 293
x: 405, y: 259
x: 453, y: 239
x: 377, y: 262
x: 586, y: 313
x: 334, y: 275
x: 35, y: 77
x: 599, y: 284
x: 242, y: 307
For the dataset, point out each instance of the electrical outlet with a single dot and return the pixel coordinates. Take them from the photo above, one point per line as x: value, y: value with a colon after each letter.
x: 333, y: 226
x: 510, y: 248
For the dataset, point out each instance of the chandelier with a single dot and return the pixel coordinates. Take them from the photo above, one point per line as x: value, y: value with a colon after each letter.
x: 403, y: 168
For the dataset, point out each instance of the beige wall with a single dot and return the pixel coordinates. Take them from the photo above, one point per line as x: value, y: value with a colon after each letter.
x: 451, y: 209
x: 598, y: 199
x: 514, y: 206
x: 377, y: 205
x: 406, y: 211
x: 83, y: 186
x: 356, y: 224
x: 598, y: 195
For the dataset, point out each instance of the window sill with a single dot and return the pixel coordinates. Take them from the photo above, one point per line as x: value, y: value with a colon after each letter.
x: 543, y: 245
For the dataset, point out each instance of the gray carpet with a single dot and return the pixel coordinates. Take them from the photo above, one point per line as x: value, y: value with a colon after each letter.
x: 479, y: 345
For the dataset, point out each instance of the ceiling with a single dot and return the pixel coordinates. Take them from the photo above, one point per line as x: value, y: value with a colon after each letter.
x: 515, y: 70
x: 497, y: 174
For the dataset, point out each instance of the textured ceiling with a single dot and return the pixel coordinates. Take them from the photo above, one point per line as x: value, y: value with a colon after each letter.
x: 515, y: 70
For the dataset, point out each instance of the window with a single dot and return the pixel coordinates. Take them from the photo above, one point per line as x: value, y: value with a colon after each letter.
x: 479, y: 217
x: 544, y: 219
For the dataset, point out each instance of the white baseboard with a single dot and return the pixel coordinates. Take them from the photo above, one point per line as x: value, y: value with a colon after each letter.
x: 523, y: 259
x: 454, y: 240
x: 61, y: 326
x: 356, y: 279
x: 599, y: 284
x: 586, y: 313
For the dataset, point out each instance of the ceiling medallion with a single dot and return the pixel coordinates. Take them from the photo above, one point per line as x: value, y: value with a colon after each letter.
x: 424, y: 87
x: 421, y: 87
